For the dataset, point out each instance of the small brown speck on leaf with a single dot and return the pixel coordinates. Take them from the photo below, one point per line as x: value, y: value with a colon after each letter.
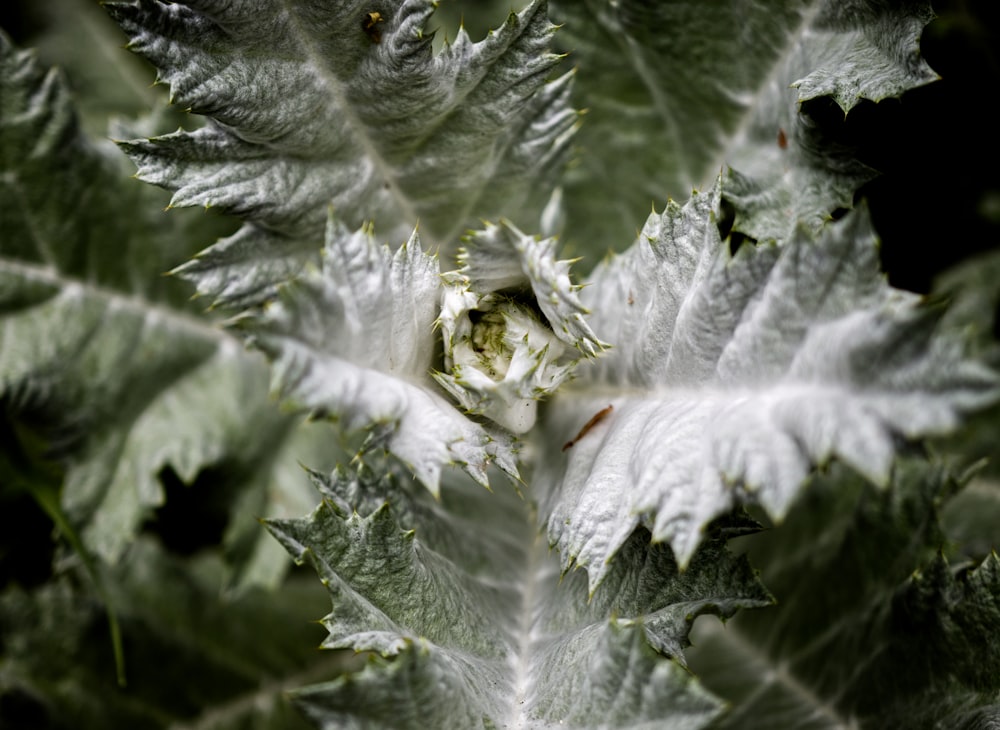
x: 369, y: 24
x: 597, y: 418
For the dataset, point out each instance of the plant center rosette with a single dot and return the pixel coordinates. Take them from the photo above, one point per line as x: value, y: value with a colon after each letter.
x: 512, y: 325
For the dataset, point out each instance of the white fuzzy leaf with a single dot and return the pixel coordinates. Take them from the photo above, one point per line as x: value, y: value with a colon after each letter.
x: 733, y: 375
x: 499, y: 257
x: 354, y: 341
x: 313, y: 104
x: 470, y: 625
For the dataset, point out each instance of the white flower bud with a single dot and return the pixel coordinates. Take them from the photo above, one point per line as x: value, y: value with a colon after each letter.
x: 500, y: 357
x: 513, y: 326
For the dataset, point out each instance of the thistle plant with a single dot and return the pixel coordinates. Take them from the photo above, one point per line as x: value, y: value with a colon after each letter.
x: 525, y: 432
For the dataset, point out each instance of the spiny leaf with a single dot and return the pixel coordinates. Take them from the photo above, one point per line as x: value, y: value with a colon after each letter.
x: 326, y: 337
x: 512, y: 325
x: 905, y: 640
x: 500, y: 257
x: 675, y: 92
x: 471, y: 626
x: 314, y: 104
x: 734, y: 374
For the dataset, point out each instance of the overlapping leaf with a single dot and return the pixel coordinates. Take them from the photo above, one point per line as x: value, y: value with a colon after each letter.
x: 500, y: 258
x: 99, y: 353
x: 734, y: 374
x: 513, y: 325
x: 677, y: 91
x: 873, y: 628
x: 312, y: 104
x: 469, y: 624
x: 355, y: 341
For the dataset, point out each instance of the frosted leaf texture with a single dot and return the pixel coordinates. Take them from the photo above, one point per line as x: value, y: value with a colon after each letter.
x: 312, y: 104
x: 734, y: 374
x: 354, y: 340
x: 470, y: 625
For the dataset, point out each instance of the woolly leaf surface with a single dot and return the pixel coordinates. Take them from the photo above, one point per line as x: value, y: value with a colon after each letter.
x: 468, y: 623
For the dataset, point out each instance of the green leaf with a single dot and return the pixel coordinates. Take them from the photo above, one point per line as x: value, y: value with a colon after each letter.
x: 971, y: 520
x: 102, y: 359
x: 467, y: 622
x: 195, y: 659
x: 734, y: 374
x: 80, y: 38
x: 676, y: 92
x: 904, y: 640
x: 735, y: 371
x: 314, y: 105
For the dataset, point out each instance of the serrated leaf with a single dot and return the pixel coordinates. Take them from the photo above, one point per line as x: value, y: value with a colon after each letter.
x: 448, y: 596
x: 99, y: 353
x: 734, y: 374
x: 905, y: 640
x: 496, y: 258
x: 326, y: 337
x: 676, y: 92
x: 317, y: 104
x: 470, y: 624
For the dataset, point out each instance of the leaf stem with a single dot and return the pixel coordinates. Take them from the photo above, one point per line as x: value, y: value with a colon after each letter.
x: 48, y: 499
